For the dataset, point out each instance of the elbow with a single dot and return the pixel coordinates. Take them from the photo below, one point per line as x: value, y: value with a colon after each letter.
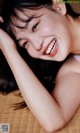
x: 55, y: 126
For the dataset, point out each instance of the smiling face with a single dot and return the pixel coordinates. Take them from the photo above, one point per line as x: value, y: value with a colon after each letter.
x: 47, y: 34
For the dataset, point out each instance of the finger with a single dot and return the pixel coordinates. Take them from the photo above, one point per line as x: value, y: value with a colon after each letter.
x: 1, y: 19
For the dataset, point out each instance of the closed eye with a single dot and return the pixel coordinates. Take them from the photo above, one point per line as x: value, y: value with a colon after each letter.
x: 24, y: 44
x: 21, y: 42
x: 35, y: 27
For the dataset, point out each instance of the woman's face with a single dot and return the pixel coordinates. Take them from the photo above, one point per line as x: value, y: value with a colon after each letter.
x: 46, y: 36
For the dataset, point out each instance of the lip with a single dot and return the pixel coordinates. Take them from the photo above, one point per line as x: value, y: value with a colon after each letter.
x: 54, y: 51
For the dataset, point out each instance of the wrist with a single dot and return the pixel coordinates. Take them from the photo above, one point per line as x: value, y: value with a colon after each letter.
x: 6, y: 42
x: 8, y: 49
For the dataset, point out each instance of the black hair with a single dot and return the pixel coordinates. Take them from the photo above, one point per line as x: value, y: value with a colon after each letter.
x: 44, y: 70
x: 9, y: 9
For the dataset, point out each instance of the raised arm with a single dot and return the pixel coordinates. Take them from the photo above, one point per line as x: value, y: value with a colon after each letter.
x: 50, y: 113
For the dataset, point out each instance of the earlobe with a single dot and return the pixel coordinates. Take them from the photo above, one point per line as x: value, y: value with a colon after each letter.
x: 59, y: 7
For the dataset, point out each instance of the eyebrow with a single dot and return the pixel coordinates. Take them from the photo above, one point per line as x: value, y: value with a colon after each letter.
x: 28, y: 21
x: 32, y: 17
x: 25, y: 21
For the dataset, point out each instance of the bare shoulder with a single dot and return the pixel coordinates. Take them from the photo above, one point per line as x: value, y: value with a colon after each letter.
x: 67, y: 88
x: 69, y: 76
x: 70, y: 66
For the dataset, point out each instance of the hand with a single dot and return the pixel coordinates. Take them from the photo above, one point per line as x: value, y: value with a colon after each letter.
x: 6, y: 40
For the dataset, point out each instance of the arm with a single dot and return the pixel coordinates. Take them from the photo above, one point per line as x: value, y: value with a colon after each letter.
x: 67, y: 94
x: 48, y: 112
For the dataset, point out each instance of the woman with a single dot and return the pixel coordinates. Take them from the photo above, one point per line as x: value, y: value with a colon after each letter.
x: 48, y: 32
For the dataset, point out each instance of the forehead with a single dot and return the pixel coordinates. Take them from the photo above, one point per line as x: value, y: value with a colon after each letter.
x: 25, y: 14
x: 23, y: 17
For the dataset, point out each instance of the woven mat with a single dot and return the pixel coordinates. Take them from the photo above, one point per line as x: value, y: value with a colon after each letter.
x: 22, y: 121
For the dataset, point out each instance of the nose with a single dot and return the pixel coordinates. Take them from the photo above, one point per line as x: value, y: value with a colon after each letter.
x: 36, y: 42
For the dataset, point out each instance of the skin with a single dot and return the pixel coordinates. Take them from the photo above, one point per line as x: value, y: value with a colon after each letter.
x: 65, y: 98
x: 37, y: 39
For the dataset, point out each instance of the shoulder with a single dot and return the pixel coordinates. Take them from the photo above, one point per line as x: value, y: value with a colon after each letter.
x: 67, y: 88
x: 69, y: 75
x: 68, y: 81
x: 70, y: 67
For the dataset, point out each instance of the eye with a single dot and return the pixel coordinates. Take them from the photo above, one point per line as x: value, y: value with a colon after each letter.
x: 24, y: 44
x: 34, y: 28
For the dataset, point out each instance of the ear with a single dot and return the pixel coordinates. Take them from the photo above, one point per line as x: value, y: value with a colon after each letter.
x: 59, y: 6
x: 1, y: 19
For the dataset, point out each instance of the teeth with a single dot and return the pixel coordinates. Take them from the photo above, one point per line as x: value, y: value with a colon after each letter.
x: 51, y: 46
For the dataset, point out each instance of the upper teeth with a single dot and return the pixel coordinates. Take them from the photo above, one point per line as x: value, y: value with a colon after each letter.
x: 50, y: 48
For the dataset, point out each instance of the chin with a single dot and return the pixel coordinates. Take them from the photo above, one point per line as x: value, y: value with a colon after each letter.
x: 60, y: 58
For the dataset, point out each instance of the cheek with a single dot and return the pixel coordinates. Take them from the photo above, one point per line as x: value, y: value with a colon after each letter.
x: 47, y: 29
x: 50, y: 26
x: 55, y: 25
x: 32, y: 52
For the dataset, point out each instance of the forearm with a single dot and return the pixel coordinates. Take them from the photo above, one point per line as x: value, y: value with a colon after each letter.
x: 40, y: 102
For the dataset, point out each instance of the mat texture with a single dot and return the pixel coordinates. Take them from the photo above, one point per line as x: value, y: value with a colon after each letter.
x: 22, y: 121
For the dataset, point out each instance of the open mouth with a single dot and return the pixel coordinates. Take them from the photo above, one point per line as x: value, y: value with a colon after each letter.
x: 51, y: 48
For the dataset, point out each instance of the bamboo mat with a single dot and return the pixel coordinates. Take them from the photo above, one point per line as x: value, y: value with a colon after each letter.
x: 22, y: 121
